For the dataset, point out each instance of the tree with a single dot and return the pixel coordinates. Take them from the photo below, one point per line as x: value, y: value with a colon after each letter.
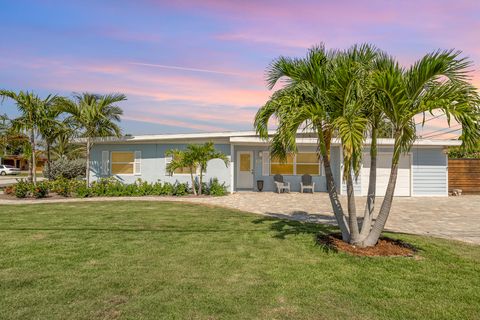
x: 64, y: 148
x: 202, y: 154
x: 437, y: 81
x: 32, y: 109
x: 49, y: 128
x: 182, y: 159
x: 195, y: 157
x: 93, y: 116
x: 338, y: 93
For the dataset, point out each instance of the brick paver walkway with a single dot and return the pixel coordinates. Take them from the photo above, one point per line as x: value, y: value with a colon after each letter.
x: 447, y: 217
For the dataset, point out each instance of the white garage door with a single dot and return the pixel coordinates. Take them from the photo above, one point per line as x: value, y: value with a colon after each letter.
x: 384, y: 162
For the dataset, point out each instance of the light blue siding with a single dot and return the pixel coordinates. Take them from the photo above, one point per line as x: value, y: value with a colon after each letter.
x: 153, y: 163
x: 429, y: 170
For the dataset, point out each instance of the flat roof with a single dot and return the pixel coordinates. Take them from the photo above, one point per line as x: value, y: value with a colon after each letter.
x: 249, y: 137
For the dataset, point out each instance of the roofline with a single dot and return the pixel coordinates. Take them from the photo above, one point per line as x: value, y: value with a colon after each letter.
x: 251, y: 137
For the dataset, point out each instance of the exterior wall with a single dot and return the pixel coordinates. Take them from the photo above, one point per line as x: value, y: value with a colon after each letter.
x: 153, y: 163
x: 430, y: 172
x: 268, y: 184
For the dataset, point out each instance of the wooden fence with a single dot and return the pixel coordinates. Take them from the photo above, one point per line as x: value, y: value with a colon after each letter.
x: 464, y: 174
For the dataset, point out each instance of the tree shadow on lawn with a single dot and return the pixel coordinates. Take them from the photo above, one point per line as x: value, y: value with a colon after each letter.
x: 297, y: 223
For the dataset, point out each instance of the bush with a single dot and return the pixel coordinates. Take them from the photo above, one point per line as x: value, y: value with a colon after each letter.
x: 180, y: 189
x: 82, y: 191
x: 40, y: 190
x: 216, y: 188
x: 9, y: 190
x: 64, y: 168
x: 22, y: 188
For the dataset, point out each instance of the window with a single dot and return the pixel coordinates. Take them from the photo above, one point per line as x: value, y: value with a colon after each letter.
x: 307, y: 163
x: 279, y: 167
x: 183, y: 170
x: 299, y: 164
x: 126, y: 162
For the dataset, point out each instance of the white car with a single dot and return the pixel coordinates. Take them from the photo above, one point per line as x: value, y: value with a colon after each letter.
x: 6, y: 169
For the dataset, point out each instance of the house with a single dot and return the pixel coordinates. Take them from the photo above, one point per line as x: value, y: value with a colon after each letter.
x: 422, y: 172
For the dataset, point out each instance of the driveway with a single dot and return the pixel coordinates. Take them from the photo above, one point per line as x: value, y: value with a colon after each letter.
x: 446, y: 217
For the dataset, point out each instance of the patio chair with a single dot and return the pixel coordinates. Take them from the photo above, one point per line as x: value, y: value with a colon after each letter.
x: 280, y: 184
x: 307, y: 183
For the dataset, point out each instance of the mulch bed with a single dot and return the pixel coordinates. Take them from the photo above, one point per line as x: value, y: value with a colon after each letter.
x: 385, y: 247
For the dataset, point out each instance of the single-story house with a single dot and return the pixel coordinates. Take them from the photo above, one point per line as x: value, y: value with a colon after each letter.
x: 422, y: 172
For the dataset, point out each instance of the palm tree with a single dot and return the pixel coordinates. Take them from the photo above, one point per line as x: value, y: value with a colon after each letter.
x: 202, y: 154
x: 195, y: 156
x: 64, y: 148
x: 93, y: 116
x: 50, y: 127
x: 182, y: 159
x: 337, y: 93
x: 31, y: 108
x: 437, y: 81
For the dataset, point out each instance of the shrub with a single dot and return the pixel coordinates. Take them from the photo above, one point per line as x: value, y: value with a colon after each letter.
x: 180, y: 189
x: 22, y: 188
x: 81, y: 190
x: 64, y: 168
x: 216, y: 188
x: 61, y: 186
x: 40, y: 190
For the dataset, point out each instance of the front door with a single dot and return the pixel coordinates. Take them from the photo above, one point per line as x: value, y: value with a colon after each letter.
x: 245, y: 170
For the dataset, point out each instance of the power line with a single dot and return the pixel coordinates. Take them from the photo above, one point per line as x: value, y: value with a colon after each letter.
x: 442, y: 133
x: 442, y: 129
x: 436, y: 117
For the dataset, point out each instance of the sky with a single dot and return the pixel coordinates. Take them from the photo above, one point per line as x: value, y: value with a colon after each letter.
x: 193, y: 66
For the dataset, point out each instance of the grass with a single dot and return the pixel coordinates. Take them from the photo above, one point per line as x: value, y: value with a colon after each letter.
x: 145, y: 260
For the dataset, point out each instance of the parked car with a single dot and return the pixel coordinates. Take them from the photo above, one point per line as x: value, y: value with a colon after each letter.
x: 6, y: 169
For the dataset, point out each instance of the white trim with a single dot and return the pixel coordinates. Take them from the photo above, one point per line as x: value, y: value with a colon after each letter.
x: 105, y: 162
x: 250, y: 137
x: 446, y: 174
x: 252, y: 164
x: 232, y: 168
x: 341, y: 171
x: 137, y: 161
x: 411, y: 174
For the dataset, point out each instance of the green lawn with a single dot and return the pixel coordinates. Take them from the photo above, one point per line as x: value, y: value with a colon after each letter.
x: 144, y: 260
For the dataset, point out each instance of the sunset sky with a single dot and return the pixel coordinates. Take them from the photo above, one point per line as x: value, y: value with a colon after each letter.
x: 189, y: 66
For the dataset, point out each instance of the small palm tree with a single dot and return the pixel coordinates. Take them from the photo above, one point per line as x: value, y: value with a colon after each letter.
x: 182, y: 159
x: 195, y: 157
x: 202, y: 154
x: 93, y: 116
x: 64, y: 148
x: 31, y: 120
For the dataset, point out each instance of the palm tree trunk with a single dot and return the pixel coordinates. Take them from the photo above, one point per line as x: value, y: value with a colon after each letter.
x: 382, y: 217
x: 34, y: 162
x: 332, y: 189
x: 200, y: 182
x: 352, y: 210
x: 87, y: 172
x: 48, y: 160
x: 193, y: 182
x: 372, y: 183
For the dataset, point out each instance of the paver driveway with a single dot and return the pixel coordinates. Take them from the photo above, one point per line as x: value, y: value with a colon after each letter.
x: 447, y: 217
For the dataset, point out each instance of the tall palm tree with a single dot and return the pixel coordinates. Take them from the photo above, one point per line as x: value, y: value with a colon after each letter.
x: 31, y: 108
x: 49, y: 128
x: 339, y: 93
x: 64, y: 148
x: 93, y: 116
x: 437, y: 81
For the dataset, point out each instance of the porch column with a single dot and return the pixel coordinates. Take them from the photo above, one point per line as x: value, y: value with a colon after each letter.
x: 232, y: 168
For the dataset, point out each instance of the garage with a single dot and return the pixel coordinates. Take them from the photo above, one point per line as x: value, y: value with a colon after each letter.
x: 384, y: 162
